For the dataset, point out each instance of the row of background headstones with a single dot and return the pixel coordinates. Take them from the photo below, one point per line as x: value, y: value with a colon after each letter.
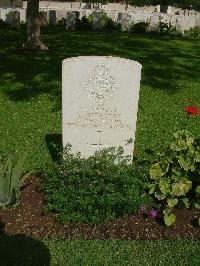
x: 113, y: 6
x: 125, y: 18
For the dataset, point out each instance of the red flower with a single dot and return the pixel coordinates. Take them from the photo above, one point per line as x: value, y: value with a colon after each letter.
x: 191, y: 110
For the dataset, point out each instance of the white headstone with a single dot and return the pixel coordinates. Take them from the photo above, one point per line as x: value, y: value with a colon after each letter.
x: 154, y: 23
x: 71, y: 20
x: 180, y: 25
x: 22, y: 15
x: 51, y: 16
x: 126, y: 20
x: 99, y: 103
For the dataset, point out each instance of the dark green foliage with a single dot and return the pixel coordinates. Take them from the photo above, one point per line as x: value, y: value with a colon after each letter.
x: 186, y: 4
x: 193, y: 32
x: 11, y: 180
x: 61, y: 22
x: 111, y: 25
x: 96, y: 189
x: 165, y: 28
x: 85, y: 24
x: 140, y: 27
x: 3, y: 24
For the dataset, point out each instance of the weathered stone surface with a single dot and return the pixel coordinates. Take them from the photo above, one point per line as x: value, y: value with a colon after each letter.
x: 154, y: 23
x: 71, y: 20
x: 98, y: 22
x: 99, y: 103
x: 180, y: 25
x: 125, y: 23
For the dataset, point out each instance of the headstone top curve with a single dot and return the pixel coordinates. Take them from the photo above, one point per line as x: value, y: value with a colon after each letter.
x: 120, y: 59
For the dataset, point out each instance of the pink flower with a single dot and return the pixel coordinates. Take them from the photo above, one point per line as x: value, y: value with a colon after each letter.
x: 153, y: 214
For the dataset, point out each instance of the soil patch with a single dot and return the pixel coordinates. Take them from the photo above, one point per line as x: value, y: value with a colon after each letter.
x: 28, y: 219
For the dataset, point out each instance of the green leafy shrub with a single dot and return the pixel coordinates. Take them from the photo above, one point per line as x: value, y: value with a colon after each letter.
x: 175, y: 173
x: 193, y: 32
x: 107, y: 22
x: 102, y: 187
x: 61, y: 22
x: 3, y: 24
x: 85, y: 24
x: 111, y: 25
x: 197, y: 201
x: 165, y: 28
x: 140, y: 27
x: 11, y: 181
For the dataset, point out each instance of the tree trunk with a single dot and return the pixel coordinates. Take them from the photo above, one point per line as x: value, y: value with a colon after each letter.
x: 33, y: 27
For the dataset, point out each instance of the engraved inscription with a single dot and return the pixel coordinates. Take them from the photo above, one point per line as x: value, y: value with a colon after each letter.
x: 101, y: 85
x: 99, y: 117
x: 99, y: 89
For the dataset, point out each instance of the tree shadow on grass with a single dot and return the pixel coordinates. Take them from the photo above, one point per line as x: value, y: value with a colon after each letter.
x: 21, y: 250
x: 164, y: 60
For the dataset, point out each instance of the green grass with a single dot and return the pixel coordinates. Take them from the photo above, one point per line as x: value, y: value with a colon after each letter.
x: 30, y: 107
x: 30, y: 87
x: 21, y: 251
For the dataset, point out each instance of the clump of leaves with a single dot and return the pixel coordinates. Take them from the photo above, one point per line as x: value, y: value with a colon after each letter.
x: 175, y: 173
x: 140, y: 27
x: 11, y: 181
x: 165, y: 28
x: 102, y: 187
x: 193, y: 32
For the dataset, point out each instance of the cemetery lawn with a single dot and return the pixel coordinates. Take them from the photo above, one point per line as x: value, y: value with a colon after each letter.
x: 30, y: 88
x: 20, y: 250
x: 30, y: 107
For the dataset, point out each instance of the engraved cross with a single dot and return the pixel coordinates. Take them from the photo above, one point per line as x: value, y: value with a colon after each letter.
x: 99, y: 145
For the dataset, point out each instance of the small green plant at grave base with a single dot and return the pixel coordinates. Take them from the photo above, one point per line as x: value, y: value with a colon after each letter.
x: 61, y: 22
x: 176, y: 173
x: 85, y: 24
x: 165, y: 28
x: 193, y: 32
x: 102, y: 187
x: 3, y: 24
x: 197, y: 201
x: 111, y: 25
x: 106, y: 21
x: 11, y: 181
x: 140, y: 27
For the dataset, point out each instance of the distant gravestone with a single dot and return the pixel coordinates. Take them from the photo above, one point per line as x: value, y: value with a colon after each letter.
x: 43, y: 18
x: 99, y: 103
x: 15, y: 21
x: 98, y: 22
x: 154, y: 23
x: 71, y: 20
x: 22, y: 15
x: 197, y: 22
x: 180, y: 26
x: 125, y: 22
x: 119, y: 17
x: 52, y: 17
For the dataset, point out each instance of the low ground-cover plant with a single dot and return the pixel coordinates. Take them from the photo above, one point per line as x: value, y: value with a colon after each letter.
x: 175, y: 177
x: 193, y: 32
x: 11, y: 181
x: 103, y: 187
x: 140, y: 27
x: 165, y: 28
